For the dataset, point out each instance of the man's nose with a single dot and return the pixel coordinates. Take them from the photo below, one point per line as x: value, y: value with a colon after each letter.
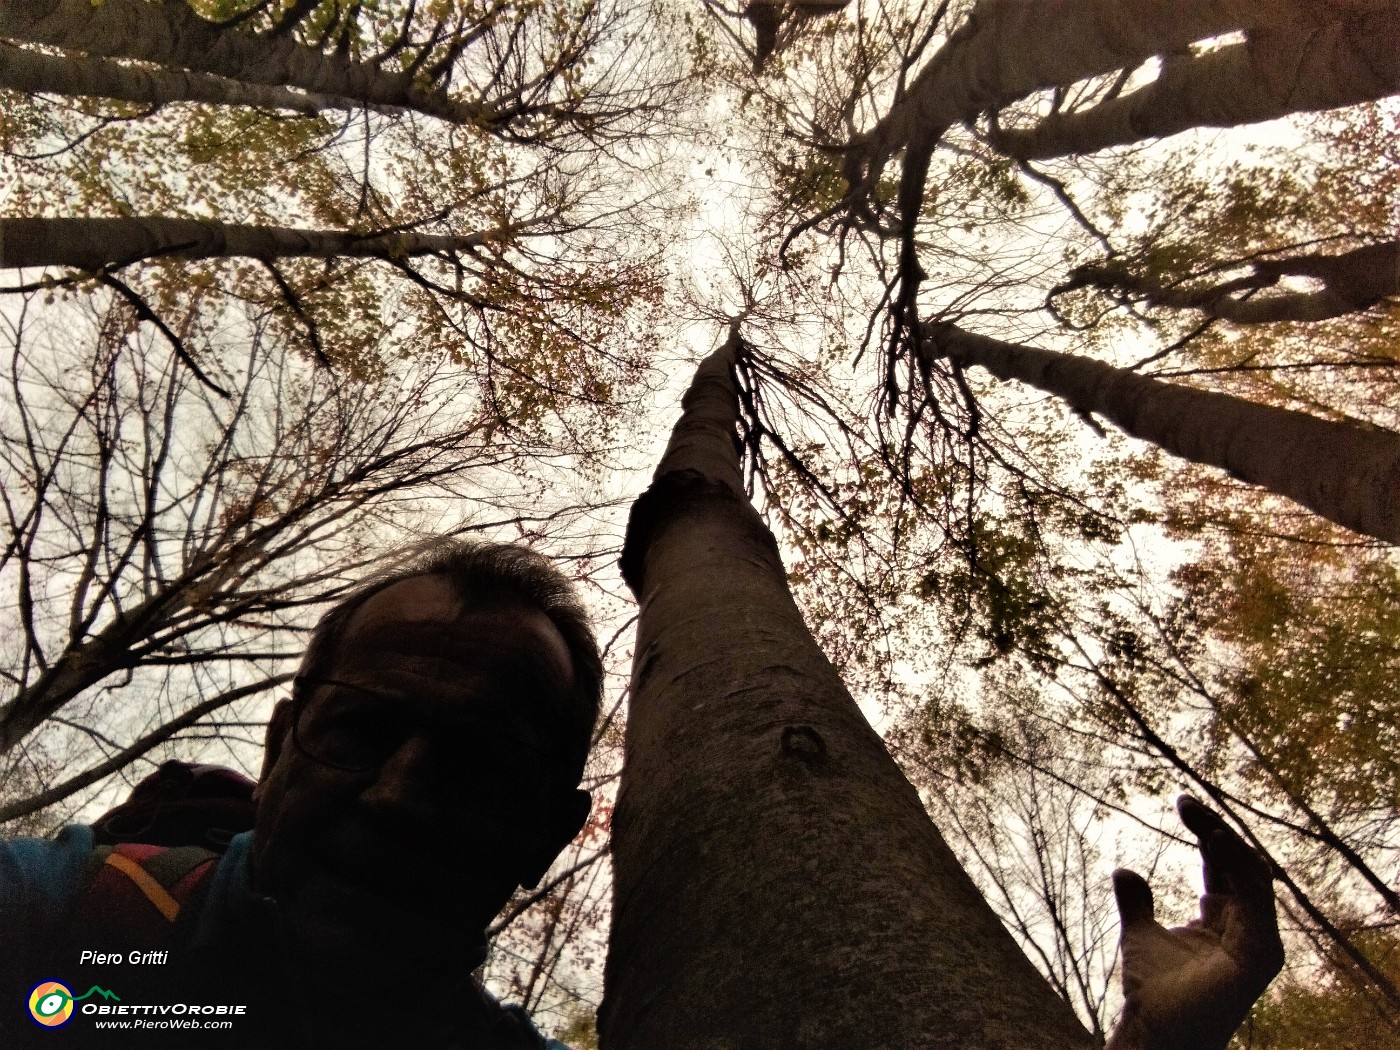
x: 404, y: 789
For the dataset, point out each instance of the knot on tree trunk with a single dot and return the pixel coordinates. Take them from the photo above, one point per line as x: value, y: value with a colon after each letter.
x: 669, y: 497
x: 806, y: 745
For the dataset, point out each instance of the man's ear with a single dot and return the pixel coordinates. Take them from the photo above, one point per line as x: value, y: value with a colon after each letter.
x: 566, y: 822
x: 279, y: 726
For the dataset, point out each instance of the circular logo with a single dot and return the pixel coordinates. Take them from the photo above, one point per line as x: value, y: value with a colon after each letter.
x: 50, y: 1004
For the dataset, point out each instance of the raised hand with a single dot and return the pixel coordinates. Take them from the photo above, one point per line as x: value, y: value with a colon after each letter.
x: 1190, y: 987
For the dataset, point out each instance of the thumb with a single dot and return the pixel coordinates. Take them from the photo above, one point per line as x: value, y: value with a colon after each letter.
x: 1134, y: 898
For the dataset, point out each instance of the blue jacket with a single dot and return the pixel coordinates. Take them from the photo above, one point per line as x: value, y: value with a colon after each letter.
x: 227, y: 957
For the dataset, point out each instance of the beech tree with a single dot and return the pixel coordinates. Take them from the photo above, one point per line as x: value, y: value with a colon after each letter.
x: 484, y: 197
x: 989, y: 168
x: 456, y: 228
x: 92, y: 244
x: 1253, y: 674
x: 1351, y: 281
x: 33, y: 72
x: 805, y: 898
x: 340, y: 51
x: 1344, y: 472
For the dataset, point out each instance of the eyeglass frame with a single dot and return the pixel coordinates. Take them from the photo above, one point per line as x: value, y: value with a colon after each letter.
x: 301, y: 686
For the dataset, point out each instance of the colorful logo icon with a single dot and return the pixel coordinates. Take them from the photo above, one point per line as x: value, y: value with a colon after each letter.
x: 50, y: 1004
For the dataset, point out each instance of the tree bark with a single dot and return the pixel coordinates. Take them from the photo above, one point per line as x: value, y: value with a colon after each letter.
x: 1278, y: 71
x: 1007, y: 49
x: 778, y: 883
x: 1346, y: 473
x: 769, y: 19
x: 171, y: 34
x: 36, y: 73
x: 92, y: 244
x: 1352, y: 281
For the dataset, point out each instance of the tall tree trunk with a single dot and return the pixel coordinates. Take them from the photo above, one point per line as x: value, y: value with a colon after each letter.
x: 1352, y: 281
x: 91, y: 244
x: 778, y: 883
x: 1344, y: 472
x: 171, y: 34
x: 1277, y: 71
x: 36, y: 73
x: 1007, y: 49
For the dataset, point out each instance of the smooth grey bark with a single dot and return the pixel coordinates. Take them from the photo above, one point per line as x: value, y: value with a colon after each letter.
x: 1352, y: 281
x: 1278, y: 71
x: 35, y: 73
x: 1346, y: 473
x: 92, y: 244
x: 171, y: 34
x: 1007, y: 49
x: 777, y: 882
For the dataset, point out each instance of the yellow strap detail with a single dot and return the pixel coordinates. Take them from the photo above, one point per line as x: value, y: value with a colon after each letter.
x: 154, y: 891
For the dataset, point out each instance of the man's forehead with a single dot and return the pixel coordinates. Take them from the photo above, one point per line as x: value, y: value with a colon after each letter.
x: 425, y: 614
x: 416, y: 600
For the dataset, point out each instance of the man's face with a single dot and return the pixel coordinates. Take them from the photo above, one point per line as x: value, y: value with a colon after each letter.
x: 446, y: 714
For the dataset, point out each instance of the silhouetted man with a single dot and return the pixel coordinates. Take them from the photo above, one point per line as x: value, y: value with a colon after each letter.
x: 425, y: 767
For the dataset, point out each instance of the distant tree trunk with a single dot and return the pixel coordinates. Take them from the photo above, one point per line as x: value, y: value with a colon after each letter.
x: 1294, y: 68
x: 778, y: 883
x: 1007, y: 49
x: 171, y: 34
x: 1344, y: 472
x: 36, y: 73
x: 1352, y: 281
x: 91, y: 244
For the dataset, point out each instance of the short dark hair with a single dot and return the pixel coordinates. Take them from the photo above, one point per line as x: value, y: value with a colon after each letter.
x: 474, y: 568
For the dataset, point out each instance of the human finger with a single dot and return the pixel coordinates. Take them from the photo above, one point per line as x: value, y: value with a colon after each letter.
x: 1134, y: 897
x: 1249, y: 873
x: 1250, y: 932
x: 1239, y: 899
x: 1208, y: 827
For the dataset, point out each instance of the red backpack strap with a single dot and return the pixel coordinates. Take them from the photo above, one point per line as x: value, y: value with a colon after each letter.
x: 136, y: 894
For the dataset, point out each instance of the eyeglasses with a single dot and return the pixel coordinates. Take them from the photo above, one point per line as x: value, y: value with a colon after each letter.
x: 357, y: 729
